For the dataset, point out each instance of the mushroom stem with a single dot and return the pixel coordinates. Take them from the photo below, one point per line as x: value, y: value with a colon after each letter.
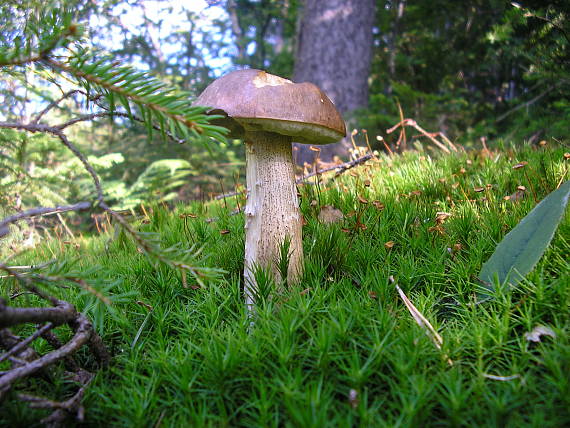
x: 272, y: 210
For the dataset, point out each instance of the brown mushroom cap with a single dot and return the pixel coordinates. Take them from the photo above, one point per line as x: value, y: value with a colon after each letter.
x: 253, y: 100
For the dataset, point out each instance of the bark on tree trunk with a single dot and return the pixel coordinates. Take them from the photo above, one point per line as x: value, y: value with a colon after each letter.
x: 334, y: 51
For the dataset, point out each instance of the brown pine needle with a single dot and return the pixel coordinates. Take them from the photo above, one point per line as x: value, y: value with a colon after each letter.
x: 422, y: 322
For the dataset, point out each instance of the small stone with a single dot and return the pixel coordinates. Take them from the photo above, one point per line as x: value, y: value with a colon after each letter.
x: 330, y: 214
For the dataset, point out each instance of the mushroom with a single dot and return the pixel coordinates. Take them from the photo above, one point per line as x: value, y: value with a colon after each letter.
x: 269, y: 113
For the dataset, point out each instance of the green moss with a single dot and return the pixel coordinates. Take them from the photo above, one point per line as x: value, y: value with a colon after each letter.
x: 196, y: 361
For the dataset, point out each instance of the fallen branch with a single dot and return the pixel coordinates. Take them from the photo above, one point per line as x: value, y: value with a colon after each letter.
x: 26, y: 362
x: 32, y: 267
x: 61, y: 313
x: 40, y: 211
x: 343, y: 167
x: 9, y: 340
x: 62, y: 408
x: 82, y: 334
x: 24, y: 343
x: 51, y: 338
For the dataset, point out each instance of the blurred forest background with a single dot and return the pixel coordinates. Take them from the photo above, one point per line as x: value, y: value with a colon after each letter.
x: 483, y: 71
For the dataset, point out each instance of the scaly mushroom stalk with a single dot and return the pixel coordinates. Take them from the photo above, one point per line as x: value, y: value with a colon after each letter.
x: 272, y: 210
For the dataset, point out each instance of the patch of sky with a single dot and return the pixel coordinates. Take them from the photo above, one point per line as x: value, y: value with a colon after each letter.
x: 173, y: 18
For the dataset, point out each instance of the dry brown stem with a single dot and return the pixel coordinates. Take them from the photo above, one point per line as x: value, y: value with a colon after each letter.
x: 431, y: 136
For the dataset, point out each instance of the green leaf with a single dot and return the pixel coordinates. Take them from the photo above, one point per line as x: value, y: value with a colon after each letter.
x: 521, y: 249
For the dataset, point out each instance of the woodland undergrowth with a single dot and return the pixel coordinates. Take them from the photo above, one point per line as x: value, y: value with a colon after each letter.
x: 341, y: 348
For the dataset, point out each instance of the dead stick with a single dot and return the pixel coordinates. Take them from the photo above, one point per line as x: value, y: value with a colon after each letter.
x: 413, y: 124
x: 82, y: 335
x: 343, y: 168
x: 20, y: 346
x: 41, y: 211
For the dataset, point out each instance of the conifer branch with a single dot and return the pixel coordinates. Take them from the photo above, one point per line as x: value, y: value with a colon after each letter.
x: 54, y: 104
x: 53, y: 31
x: 141, y: 90
x: 34, y: 127
x: 146, y: 245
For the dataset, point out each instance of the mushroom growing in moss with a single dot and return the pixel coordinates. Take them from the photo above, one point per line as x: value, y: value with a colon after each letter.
x: 269, y: 113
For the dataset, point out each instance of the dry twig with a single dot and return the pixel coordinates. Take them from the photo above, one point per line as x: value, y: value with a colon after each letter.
x: 26, y: 362
x: 342, y: 168
x: 43, y: 211
x: 414, y: 124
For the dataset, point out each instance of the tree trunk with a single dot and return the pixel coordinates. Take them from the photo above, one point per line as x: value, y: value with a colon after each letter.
x: 334, y: 51
x: 237, y: 30
x: 398, y: 7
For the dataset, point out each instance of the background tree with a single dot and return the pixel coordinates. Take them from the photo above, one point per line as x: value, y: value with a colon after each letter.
x: 334, y: 51
x: 487, y: 70
x: 461, y: 71
x: 264, y: 33
x: 172, y: 42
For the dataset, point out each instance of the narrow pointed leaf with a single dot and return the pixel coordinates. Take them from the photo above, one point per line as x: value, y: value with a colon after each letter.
x: 521, y: 249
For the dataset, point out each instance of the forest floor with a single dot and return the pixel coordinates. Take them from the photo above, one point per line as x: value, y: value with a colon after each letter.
x: 341, y: 349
